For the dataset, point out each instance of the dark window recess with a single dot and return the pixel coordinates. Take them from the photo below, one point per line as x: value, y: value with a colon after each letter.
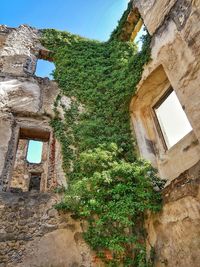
x: 35, y: 180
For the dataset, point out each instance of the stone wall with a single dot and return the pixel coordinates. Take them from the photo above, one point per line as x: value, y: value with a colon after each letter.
x: 173, y: 236
x: 33, y: 233
x: 26, y: 103
x: 174, y: 233
x: 174, y: 63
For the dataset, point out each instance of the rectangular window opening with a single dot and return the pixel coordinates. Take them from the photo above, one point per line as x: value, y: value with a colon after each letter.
x: 30, y: 158
x: 34, y: 153
x: 172, y: 119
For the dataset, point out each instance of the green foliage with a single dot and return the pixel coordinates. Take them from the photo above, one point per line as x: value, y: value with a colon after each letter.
x: 112, y: 196
x: 117, y: 31
x: 109, y: 186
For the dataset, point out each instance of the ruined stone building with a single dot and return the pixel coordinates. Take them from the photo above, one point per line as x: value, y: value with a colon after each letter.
x: 30, y: 227
x: 32, y: 233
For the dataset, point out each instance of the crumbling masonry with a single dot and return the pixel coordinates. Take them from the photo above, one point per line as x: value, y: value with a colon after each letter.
x: 32, y: 233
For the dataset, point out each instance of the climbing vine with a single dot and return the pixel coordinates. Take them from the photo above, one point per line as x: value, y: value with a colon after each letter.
x: 109, y: 187
x: 117, y: 31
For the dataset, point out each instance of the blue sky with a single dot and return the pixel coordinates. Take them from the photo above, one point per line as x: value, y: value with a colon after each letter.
x: 94, y: 19
x: 34, y: 154
x: 91, y: 18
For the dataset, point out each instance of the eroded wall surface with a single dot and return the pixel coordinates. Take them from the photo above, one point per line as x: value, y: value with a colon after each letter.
x: 174, y: 233
x: 173, y: 236
x: 26, y: 102
x: 32, y: 232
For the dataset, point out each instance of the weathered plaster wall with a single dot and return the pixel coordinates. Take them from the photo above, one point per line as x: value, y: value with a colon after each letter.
x: 175, y: 59
x: 173, y: 234
x: 154, y: 12
x: 185, y: 153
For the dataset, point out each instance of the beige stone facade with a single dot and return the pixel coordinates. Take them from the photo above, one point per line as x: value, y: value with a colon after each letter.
x: 173, y: 234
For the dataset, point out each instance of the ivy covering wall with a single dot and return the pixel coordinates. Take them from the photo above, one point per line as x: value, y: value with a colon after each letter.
x: 109, y: 186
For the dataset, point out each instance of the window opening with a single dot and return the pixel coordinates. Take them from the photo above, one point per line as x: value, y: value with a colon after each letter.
x: 30, y: 159
x: 172, y: 119
x: 35, y: 179
x: 34, y: 154
x: 44, y: 69
x: 138, y: 40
